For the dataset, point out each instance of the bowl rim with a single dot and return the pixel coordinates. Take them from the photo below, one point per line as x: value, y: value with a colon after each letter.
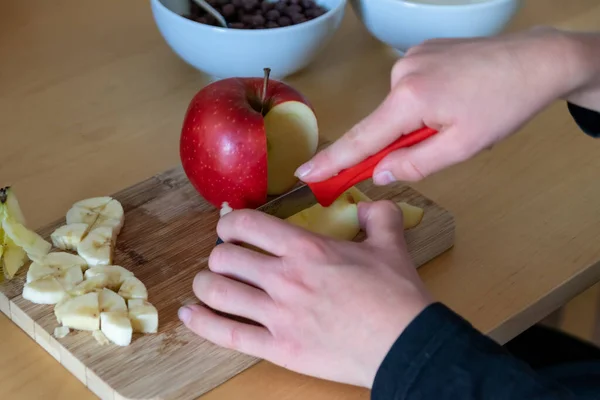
x: 462, y: 7
x: 256, y: 32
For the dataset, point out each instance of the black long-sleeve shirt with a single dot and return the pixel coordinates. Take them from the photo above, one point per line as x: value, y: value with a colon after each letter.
x: 440, y: 356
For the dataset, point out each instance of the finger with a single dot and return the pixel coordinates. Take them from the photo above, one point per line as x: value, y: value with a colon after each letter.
x: 249, y: 339
x: 232, y: 297
x: 432, y: 155
x: 383, y: 223
x: 397, y: 115
x: 252, y: 267
x: 261, y: 230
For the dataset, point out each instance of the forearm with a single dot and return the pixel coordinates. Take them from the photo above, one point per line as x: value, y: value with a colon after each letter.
x: 440, y: 356
x: 582, y: 53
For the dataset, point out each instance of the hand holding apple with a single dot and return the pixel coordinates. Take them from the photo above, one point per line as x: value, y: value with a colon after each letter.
x: 243, y: 138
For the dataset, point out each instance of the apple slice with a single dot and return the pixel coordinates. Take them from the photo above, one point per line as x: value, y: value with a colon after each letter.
x: 292, y: 139
x: 116, y: 326
x: 81, y: 312
x: 338, y: 221
x: 143, y: 316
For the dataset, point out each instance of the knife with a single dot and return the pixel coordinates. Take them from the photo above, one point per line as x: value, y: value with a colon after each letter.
x: 327, y: 191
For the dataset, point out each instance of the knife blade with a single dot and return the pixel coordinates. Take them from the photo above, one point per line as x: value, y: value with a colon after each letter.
x: 327, y: 191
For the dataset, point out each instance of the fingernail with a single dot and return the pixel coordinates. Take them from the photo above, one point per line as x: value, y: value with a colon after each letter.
x: 304, y: 169
x: 383, y: 178
x: 185, y: 314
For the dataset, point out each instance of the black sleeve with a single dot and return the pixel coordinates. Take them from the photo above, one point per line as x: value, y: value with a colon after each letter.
x: 587, y: 120
x: 440, y: 356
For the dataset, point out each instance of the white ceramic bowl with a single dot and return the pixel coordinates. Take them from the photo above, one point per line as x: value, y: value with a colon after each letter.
x: 404, y: 24
x: 224, y: 53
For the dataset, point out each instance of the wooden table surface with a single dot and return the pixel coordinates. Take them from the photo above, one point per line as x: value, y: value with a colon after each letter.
x: 92, y: 101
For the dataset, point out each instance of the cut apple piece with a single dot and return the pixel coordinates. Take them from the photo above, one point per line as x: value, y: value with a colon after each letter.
x: 338, y: 221
x: 111, y: 301
x: 292, y: 135
x: 143, y: 316
x: 97, y: 247
x: 47, y: 290
x: 116, y: 326
x: 412, y: 215
x: 81, y: 312
x: 115, y: 274
x: 68, y: 237
x: 133, y: 288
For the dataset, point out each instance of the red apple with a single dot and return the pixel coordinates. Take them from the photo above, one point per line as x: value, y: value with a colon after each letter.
x: 243, y: 138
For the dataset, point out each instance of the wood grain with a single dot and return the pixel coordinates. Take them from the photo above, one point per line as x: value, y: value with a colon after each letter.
x: 168, y: 235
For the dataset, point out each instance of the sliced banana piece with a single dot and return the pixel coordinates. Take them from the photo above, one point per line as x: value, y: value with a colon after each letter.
x: 116, y: 327
x: 67, y: 268
x: 98, y: 212
x: 47, y: 290
x: 81, y: 312
x: 143, y: 316
x: 86, y: 211
x: 111, y: 301
x: 133, y: 288
x: 98, y: 246
x: 34, y: 245
x: 100, y: 338
x: 89, y: 285
x: 116, y: 275
x: 68, y: 237
x: 61, y: 332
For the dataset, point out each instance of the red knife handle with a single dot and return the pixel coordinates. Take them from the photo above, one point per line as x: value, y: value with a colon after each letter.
x: 327, y: 191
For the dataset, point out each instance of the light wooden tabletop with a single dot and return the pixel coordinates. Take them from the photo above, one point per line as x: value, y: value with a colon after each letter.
x: 92, y: 100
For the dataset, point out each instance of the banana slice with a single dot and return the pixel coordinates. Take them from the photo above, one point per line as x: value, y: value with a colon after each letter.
x: 110, y: 301
x: 133, y: 288
x: 116, y: 327
x: 68, y: 237
x: 115, y: 274
x: 81, y: 312
x: 89, y: 285
x: 34, y: 245
x: 12, y: 258
x: 61, y: 332
x: 86, y: 211
x: 65, y: 267
x: 97, y: 247
x: 98, y: 212
x: 143, y: 316
x: 100, y: 338
x: 47, y: 290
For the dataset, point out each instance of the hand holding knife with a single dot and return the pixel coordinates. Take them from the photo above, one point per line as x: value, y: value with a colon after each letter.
x: 327, y: 191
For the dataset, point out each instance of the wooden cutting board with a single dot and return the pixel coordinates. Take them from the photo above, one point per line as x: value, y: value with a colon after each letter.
x: 168, y: 235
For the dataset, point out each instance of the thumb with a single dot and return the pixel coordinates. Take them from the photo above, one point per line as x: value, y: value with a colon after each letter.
x: 440, y: 151
x: 383, y: 223
x: 397, y: 115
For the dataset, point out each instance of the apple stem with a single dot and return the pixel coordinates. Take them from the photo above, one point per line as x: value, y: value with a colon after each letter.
x: 265, y: 87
